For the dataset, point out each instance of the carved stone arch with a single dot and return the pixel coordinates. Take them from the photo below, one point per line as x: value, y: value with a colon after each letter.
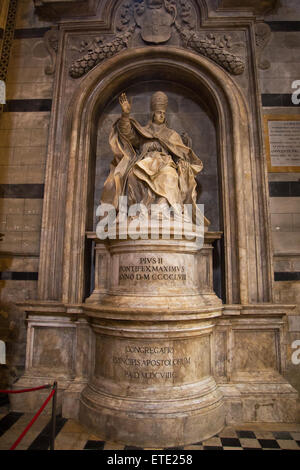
x: 65, y: 259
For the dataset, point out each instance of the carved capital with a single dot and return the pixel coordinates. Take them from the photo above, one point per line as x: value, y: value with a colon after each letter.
x: 51, y: 41
x: 263, y: 35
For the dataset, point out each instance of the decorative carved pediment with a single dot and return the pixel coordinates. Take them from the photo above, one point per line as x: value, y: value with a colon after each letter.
x: 155, y: 21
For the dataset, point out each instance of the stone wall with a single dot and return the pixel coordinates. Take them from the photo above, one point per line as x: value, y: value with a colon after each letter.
x: 23, y: 143
x: 283, y: 52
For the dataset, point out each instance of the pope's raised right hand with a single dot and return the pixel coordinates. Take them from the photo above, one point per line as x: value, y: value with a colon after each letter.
x: 125, y: 105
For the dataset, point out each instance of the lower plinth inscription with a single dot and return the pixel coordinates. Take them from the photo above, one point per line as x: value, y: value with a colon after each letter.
x: 158, y: 361
x: 144, y: 364
x: 151, y: 269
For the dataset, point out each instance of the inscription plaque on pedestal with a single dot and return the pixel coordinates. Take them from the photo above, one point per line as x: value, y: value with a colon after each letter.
x: 143, y: 269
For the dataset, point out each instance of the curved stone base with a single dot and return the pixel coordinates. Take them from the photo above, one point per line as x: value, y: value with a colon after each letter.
x: 154, y: 423
x: 152, y: 383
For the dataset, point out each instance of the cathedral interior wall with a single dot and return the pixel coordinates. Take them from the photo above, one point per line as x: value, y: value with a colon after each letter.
x: 24, y: 125
x: 276, y: 82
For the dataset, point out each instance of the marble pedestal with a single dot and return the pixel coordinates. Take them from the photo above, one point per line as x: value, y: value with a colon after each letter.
x: 153, y: 382
x: 158, y: 361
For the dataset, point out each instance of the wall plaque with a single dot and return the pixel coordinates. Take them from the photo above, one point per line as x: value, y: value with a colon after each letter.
x: 282, y: 134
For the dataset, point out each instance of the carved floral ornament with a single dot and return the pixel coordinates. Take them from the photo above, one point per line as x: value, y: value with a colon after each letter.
x: 155, y: 22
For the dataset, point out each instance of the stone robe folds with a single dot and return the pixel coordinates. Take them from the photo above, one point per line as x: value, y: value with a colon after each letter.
x: 151, y: 164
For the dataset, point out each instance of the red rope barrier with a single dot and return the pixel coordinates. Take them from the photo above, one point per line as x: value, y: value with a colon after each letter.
x: 25, y: 389
x: 33, y: 420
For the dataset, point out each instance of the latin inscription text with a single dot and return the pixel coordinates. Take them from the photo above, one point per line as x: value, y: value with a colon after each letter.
x: 151, y: 269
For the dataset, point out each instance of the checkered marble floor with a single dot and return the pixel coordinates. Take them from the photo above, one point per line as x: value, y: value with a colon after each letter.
x: 70, y: 435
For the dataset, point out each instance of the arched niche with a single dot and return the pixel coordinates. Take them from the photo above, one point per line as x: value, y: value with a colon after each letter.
x: 187, y: 113
x: 243, y: 243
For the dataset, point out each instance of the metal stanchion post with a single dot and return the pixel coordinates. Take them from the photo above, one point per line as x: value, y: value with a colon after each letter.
x: 53, y: 418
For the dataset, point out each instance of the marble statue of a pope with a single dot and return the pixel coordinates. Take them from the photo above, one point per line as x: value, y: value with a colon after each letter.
x: 151, y: 164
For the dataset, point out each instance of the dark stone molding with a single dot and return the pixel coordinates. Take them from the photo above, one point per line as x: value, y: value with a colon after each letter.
x: 29, y: 33
x: 278, y: 100
x: 35, y: 105
x: 284, y: 26
x: 257, y: 6
x: 53, y: 9
x: 284, y: 188
x: 29, y: 105
x: 18, y: 276
x: 22, y: 191
x: 287, y: 276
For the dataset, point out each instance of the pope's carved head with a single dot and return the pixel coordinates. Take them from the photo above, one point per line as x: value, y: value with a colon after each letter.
x: 159, y: 104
